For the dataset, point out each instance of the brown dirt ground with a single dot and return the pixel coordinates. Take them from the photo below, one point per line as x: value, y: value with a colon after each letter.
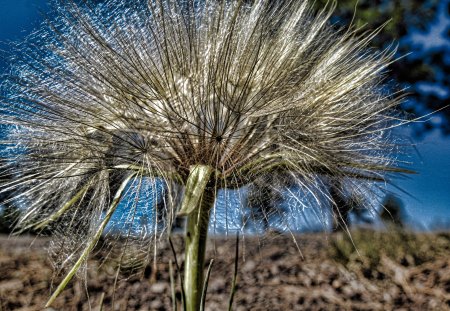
x: 272, y: 276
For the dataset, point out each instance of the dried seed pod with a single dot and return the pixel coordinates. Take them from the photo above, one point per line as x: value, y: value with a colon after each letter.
x: 109, y: 103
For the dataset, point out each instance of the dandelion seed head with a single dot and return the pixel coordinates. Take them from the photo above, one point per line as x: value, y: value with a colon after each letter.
x: 270, y: 95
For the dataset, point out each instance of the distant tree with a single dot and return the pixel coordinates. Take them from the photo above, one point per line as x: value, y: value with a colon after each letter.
x: 362, y: 214
x: 264, y: 200
x: 9, y: 213
x: 424, y: 70
x: 344, y: 205
x: 392, y: 212
x: 8, y: 216
x: 340, y: 207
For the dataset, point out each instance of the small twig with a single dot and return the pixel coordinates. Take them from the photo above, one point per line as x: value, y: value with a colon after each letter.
x: 205, y: 286
x: 116, y: 278
x: 172, y: 286
x: 183, y: 295
x: 233, y: 284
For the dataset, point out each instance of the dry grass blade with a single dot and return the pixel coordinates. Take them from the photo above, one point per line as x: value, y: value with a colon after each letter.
x: 100, y: 303
x: 172, y: 286
x: 234, y: 281
x: 183, y: 295
x: 92, y: 243
x: 205, y: 285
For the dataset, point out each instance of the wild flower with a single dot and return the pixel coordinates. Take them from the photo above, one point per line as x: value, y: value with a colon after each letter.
x: 107, y: 101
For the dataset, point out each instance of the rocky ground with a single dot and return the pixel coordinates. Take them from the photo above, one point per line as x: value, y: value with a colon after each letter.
x: 387, y: 272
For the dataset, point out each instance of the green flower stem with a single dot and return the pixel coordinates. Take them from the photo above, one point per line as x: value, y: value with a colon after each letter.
x: 196, y: 235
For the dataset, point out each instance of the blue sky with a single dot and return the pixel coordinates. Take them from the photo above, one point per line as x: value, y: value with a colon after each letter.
x: 18, y: 17
x: 429, y: 201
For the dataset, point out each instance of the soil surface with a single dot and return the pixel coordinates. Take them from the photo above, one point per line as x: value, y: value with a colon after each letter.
x: 272, y: 275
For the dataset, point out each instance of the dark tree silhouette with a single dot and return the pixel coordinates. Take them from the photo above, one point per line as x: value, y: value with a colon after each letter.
x: 392, y: 212
x: 340, y: 207
x: 8, y: 217
x: 264, y: 199
x: 345, y: 205
x: 429, y: 66
x: 9, y: 213
x: 418, y: 66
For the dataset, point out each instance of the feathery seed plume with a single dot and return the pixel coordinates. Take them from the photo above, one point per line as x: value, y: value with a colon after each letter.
x: 112, y: 101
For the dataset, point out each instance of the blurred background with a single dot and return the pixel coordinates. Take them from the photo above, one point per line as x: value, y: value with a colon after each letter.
x: 421, y: 30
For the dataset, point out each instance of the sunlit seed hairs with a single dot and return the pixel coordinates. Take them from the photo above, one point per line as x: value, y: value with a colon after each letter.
x: 112, y: 102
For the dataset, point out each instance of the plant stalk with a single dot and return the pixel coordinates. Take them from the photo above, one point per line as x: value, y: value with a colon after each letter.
x: 195, y: 243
